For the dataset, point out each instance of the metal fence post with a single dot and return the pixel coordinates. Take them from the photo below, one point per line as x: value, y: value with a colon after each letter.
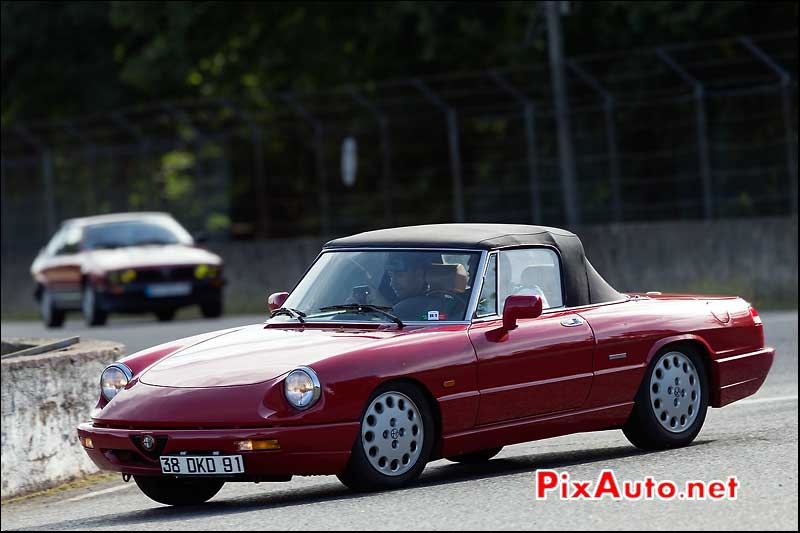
x: 90, y: 153
x: 786, y: 102
x: 702, y: 130
x: 257, y: 135
x: 144, y: 144
x: 47, y: 176
x: 566, y: 151
x: 386, y: 168
x: 261, y: 185
x: 529, y: 116
x: 319, y: 144
x: 609, y: 105
x: 453, y: 138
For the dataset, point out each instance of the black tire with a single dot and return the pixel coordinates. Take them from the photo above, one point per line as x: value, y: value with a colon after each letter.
x: 93, y: 313
x: 52, y: 316
x: 644, y: 429
x: 165, y: 315
x: 178, y: 491
x: 211, y: 308
x: 360, y: 475
x: 475, y: 457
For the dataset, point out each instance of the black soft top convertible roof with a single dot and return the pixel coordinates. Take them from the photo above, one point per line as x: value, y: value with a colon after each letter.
x: 582, y: 284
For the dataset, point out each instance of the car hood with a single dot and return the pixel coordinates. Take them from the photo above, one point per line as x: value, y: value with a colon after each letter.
x: 149, y: 256
x: 255, y: 354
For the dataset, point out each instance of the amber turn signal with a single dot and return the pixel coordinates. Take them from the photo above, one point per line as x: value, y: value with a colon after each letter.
x: 86, y: 442
x: 256, y: 445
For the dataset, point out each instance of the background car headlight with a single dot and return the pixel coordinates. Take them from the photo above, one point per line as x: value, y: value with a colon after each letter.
x: 113, y: 379
x: 301, y: 388
x: 206, y: 271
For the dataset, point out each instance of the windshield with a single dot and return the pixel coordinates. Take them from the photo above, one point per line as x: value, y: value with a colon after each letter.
x: 411, y: 285
x: 134, y: 233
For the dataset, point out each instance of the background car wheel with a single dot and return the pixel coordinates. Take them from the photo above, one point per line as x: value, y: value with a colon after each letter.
x: 211, y: 309
x: 178, y: 491
x: 92, y: 313
x: 672, y: 401
x: 52, y: 316
x: 475, y: 457
x: 395, y: 439
x: 165, y: 315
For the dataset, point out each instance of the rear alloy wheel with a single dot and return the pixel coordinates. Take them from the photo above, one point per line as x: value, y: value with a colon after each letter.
x: 52, y: 316
x: 178, y: 491
x: 92, y: 313
x: 475, y: 457
x: 211, y: 308
x: 165, y: 315
x: 394, y: 442
x: 671, y: 403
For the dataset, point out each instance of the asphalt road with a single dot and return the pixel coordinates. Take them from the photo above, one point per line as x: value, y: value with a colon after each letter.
x: 754, y: 440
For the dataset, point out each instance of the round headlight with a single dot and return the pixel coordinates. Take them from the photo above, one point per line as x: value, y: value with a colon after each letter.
x: 128, y: 276
x: 113, y: 379
x: 301, y: 388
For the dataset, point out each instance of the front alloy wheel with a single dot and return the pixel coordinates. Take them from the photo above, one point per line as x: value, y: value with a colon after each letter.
x: 395, y: 440
x: 92, y: 313
x: 52, y: 316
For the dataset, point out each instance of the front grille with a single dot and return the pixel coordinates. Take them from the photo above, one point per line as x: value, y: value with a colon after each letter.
x: 165, y: 274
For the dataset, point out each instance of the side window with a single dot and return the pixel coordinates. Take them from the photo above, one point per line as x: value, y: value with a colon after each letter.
x: 487, y: 302
x: 71, y: 241
x: 531, y: 271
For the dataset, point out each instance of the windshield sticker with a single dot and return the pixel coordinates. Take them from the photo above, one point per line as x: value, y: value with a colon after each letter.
x: 433, y: 315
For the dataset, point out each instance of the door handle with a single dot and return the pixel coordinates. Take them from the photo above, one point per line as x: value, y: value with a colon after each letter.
x: 572, y: 321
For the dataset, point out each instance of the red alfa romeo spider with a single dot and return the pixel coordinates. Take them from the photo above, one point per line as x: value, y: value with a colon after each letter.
x: 405, y: 345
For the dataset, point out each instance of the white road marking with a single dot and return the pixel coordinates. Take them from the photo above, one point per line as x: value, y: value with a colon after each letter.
x: 768, y: 400
x: 99, y: 493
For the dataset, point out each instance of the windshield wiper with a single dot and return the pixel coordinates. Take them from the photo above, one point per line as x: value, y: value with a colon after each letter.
x: 294, y: 313
x: 365, y: 308
x: 106, y: 245
x: 155, y: 242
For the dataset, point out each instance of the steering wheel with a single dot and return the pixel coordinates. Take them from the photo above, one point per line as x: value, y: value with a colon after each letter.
x: 457, y: 296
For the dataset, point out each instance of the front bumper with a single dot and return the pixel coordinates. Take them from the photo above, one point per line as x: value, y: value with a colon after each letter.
x: 305, y: 450
x: 133, y: 298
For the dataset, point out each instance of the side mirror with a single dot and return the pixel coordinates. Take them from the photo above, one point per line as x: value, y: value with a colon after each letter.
x: 275, y: 300
x: 519, y: 306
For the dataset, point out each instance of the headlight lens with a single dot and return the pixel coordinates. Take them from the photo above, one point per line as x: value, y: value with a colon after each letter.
x: 128, y: 276
x: 301, y: 388
x: 113, y: 379
x: 206, y: 271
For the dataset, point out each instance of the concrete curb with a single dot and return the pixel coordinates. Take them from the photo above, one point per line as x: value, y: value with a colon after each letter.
x: 44, y: 397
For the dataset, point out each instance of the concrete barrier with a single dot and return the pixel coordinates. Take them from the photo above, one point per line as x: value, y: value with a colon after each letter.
x: 44, y: 397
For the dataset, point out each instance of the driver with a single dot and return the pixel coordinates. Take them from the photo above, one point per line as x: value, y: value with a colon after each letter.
x: 407, y: 279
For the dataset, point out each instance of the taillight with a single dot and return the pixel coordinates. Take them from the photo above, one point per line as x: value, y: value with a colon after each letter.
x: 754, y: 314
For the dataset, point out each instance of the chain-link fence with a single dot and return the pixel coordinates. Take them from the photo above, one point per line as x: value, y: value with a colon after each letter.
x: 702, y: 130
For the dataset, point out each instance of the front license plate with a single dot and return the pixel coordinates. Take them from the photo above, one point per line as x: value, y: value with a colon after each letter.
x: 168, y: 289
x: 202, y: 465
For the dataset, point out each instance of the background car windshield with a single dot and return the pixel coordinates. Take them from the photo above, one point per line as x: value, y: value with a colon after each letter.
x: 414, y: 285
x: 134, y: 233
